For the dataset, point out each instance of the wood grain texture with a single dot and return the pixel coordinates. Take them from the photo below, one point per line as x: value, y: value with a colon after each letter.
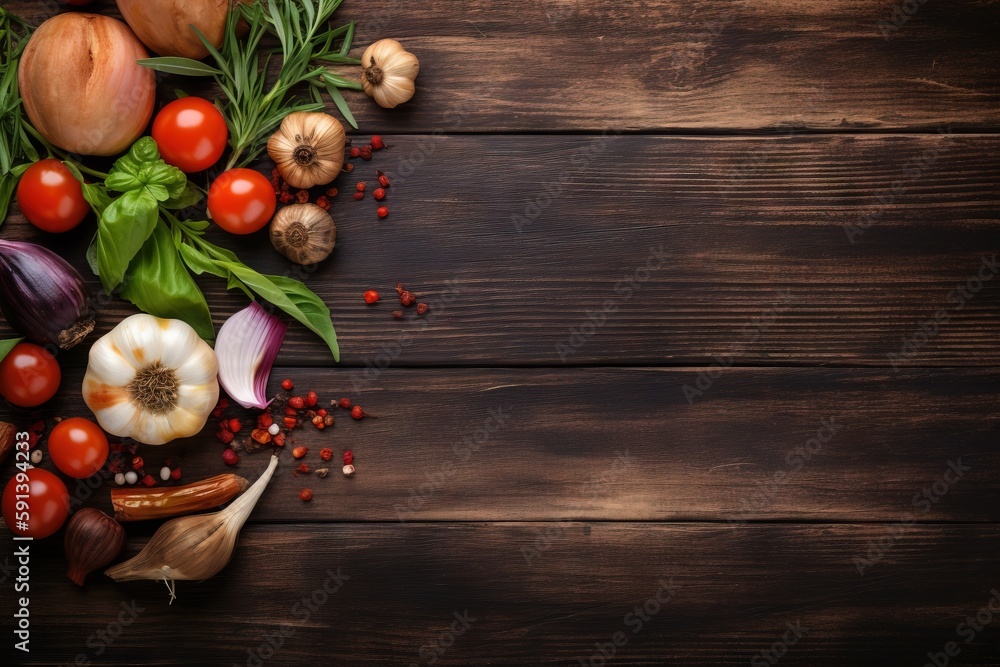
x: 704, y: 65
x: 700, y: 248
x: 625, y: 444
x: 734, y: 591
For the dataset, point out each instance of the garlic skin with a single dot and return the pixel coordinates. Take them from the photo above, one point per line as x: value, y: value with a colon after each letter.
x: 389, y: 73
x: 304, y: 233
x: 308, y: 148
x: 152, y: 380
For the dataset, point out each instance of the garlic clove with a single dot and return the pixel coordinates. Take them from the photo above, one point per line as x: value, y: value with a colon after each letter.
x: 180, y: 345
x: 201, y: 367
x: 106, y: 363
x: 116, y: 418
x: 196, y: 398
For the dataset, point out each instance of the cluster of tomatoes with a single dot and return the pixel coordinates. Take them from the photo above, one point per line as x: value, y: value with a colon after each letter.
x: 39, y: 506
x: 191, y: 134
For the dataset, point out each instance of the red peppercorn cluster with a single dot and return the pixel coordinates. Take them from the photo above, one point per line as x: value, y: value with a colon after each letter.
x: 365, y: 153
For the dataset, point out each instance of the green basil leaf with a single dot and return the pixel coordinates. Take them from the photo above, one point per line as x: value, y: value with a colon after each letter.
x: 7, y: 345
x: 190, y: 196
x: 159, y: 284
x: 123, y: 229
x: 177, y: 65
x: 200, y: 263
x: 97, y: 197
x: 292, y: 297
x: 161, y: 175
x: 144, y: 150
x: 122, y: 181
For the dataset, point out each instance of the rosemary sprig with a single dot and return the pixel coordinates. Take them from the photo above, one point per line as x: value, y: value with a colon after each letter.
x: 16, y: 149
x: 254, y: 107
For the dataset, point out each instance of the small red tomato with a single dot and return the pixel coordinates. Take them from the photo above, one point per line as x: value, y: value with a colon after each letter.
x: 43, y: 505
x: 50, y: 198
x: 78, y: 447
x: 191, y: 134
x: 241, y: 201
x: 29, y: 375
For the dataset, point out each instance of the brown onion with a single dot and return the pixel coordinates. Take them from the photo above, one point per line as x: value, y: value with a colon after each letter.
x: 81, y: 86
x: 93, y: 540
x: 165, y: 25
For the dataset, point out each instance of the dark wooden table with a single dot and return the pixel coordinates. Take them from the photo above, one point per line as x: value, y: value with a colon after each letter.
x: 679, y: 399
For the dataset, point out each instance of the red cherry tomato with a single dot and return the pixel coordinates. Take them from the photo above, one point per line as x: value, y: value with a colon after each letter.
x: 29, y: 375
x: 78, y: 447
x: 35, y: 503
x: 50, y: 198
x: 190, y: 133
x: 241, y: 201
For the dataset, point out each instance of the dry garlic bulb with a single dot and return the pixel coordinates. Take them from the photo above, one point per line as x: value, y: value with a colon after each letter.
x: 304, y: 233
x: 308, y: 148
x: 389, y: 73
x: 151, y: 379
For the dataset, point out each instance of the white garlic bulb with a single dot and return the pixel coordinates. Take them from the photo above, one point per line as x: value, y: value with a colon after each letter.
x: 389, y: 73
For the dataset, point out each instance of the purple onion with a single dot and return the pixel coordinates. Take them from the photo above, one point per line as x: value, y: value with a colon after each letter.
x: 42, y: 296
x: 246, y: 347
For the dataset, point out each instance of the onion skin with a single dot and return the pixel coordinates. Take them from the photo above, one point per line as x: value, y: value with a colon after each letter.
x: 81, y: 86
x: 164, y: 25
x: 42, y: 296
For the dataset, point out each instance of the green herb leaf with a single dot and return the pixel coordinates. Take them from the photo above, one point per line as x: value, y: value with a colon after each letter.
x: 200, y: 263
x: 338, y: 99
x: 191, y: 195
x: 7, y: 345
x: 123, y: 229
x: 91, y: 256
x: 159, y: 284
x: 177, y: 65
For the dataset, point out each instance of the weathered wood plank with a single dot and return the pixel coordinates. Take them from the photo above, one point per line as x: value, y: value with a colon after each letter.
x: 776, y: 251
x: 701, y: 65
x: 625, y: 444
x: 400, y: 586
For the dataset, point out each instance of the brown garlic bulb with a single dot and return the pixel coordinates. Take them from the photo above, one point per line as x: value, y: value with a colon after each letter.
x: 388, y: 73
x: 93, y: 540
x: 308, y: 148
x: 304, y: 233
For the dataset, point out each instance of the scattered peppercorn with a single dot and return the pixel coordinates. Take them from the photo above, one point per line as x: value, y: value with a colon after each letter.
x: 317, y: 421
x: 175, y: 474
x: 149, y: 480
x: 302, y: 196
x: 225, y: 436
x: 286, y: 198
x: 328, y: 420
x: 377, y: 143
x: 279, y: 440
x: 220, y: 407
x: 137, y: 463
x: 348, y: 457
x: 397, y: 314
x: 261, y: 436
x: 358, y: 196
x: 345, y: 403
x: 357, y: 412
x: 371, y: 297
x: 326, y: 453
x: 235, y: 425
x: 366, y: 153
x: 332, y: 192
x: 306, y: 495
x: 355, y: 152
x: 290, y: 422
x: 311, y: 398
x: 379, y: 194
x: 407, y: 298
x: 383, y: 211
x: 361, y: 186
x: 290, y: 411
x: 348, y: 470
x: 322, y: 472
x: 321, y: 412
x: 383, y: 180
x: 299, y: 452
x: 297, y: 403
x: 303, y: 469
x: 229, y: 457
x: 348, y: 167
x: 323, y: 203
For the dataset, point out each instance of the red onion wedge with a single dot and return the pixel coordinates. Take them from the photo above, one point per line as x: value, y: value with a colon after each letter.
x: 246, y: 347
